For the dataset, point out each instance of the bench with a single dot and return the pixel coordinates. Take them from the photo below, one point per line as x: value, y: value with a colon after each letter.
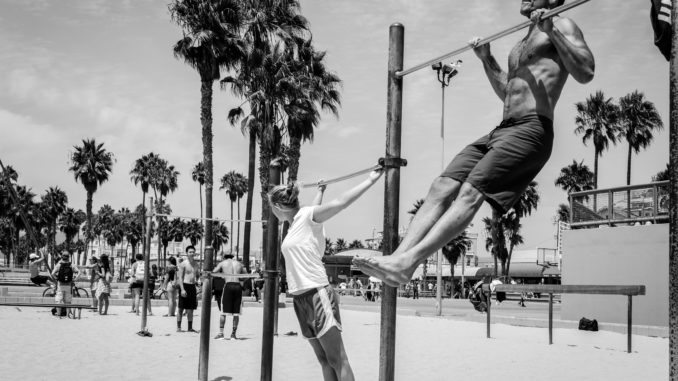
x: 79, y: 307
x: 16, y: 282
x: 550, y: 289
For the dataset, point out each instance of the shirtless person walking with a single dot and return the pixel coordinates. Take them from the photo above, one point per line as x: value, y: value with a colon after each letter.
x: 498, y: 167
x: 188, y: 298
x: 231, y: 298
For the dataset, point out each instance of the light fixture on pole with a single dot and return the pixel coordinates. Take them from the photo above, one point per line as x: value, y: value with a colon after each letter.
x: 445, y: 73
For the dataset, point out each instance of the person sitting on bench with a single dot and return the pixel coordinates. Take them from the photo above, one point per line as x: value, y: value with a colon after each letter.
x: 33, y: 265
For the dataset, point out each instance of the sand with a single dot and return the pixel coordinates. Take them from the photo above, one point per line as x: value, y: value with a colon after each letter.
x: 38, y: 346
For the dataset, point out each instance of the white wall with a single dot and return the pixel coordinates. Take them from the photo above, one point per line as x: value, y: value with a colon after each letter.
x: 626, y: 255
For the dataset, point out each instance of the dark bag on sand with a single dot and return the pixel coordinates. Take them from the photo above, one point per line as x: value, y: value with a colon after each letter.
x: 588, y: 325
x: 64, y: 311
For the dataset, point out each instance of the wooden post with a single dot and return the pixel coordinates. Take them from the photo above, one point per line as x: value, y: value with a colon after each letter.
x: 629, y: 323
x: 394, y: 104
x: 673, y: 198
x: 270, y: 285
x: 550, y: 319
x: 147, y: 270
x: 489, y: 307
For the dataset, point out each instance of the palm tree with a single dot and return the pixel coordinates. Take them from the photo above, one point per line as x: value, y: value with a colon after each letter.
x: 210, y: 42
x: 329, y: 249
x: 340, y: 245
x: 198, y: 175
x: 356, y: 244
x: 193, y: 230
x: 241, y: 186
x: 575, y: 177
x: 91, y: 164
x: 271, y: 29
x: 563, y: 213
x: 144, y: 174
x: 134, y: 231
x: 69, y: 224
x: 638, y: 118
x: 167, y: 182
x: 220, y: 236
x: 662, y: 175
x: 455, y: 249
x: 597, y: 120
x: 53, y: 204
x: 512, y: 228
x: 228, y: 184
x: 316, y: 89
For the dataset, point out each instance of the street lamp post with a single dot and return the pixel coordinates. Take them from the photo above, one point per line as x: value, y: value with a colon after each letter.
x: 445, y: 73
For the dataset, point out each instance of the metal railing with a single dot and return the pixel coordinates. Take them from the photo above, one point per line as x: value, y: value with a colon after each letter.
x: 627, y: 205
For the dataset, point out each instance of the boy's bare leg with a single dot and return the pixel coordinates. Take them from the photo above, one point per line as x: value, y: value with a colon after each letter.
x: 398, y: 268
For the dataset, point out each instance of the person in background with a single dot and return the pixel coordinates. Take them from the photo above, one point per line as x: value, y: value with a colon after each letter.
x: 34, y: 261
x: 170, y: 285
x: 94, y: 270
x: 65, y: 273
x: 103, y: 290
x: 152, y: 277
x: 137, y: 278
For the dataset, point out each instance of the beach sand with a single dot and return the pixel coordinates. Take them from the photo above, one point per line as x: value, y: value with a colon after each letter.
x: 38, y: 346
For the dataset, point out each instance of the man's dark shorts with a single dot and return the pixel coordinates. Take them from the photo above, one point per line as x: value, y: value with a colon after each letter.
x: 502, y: 164
x: 190, y: 302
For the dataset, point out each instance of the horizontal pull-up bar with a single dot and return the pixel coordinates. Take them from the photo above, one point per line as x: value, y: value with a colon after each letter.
x: 491, y: 38
x: 203, y: 219
x: 342, y: 178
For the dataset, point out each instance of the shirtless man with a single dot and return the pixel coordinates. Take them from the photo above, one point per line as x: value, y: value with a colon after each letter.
x: 498, y: 167
x: 188, y: 298
x: 231, y: 299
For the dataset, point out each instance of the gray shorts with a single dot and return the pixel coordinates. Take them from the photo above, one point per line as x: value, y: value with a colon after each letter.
x: 317, y: 311
x: 502, y: 163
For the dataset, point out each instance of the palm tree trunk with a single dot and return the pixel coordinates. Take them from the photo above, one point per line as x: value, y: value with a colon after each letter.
x: 293, y: 155
x: 264, y: 162
x: 142, y: 219
x: 159, y: 227
x: 237, y: 244
x: 508, y: 262
x: 628, y: 182
x: 231, y: 227
x: 89, y: 226
x: 250, y: 195
x: 202, y: 222
x: 595, y: 183
x: 206, y: 122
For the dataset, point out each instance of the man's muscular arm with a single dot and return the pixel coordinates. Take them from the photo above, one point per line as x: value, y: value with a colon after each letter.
x: 498, y: 78
x: 569, y: 42
x: 180, y: 275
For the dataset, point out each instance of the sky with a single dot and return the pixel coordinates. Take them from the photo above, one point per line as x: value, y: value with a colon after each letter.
x: 104, y: 69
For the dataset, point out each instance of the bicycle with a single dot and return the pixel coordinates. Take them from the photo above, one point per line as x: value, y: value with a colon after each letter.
x: 77, y: 292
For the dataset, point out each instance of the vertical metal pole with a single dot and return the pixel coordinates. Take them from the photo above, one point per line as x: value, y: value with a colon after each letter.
x: 391, y: 197
x: 270, y: 285
x: 489, y: 308
x: 205, y: 315
x: 629, y: 324
x: 439, y: 254
x: 550, y: 319
x: 673, y: 199
x: 147, y: 263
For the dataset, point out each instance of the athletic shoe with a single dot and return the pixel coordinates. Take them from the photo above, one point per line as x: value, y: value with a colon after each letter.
x: 233, y: 337
x: 219, y: 337
x: 191, y: 330
x: 179, y: 330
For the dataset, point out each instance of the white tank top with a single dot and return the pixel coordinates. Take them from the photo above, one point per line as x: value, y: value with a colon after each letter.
x: 303, y: 248
x: 141, y: 269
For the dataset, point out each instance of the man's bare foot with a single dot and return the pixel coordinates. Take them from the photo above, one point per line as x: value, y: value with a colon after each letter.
x: 389, y: 269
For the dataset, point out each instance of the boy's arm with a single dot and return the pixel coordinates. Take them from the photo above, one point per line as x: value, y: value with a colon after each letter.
x: 180, y: 277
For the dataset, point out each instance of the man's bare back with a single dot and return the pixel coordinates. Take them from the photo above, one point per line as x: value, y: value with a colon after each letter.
x: 230, y: 266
